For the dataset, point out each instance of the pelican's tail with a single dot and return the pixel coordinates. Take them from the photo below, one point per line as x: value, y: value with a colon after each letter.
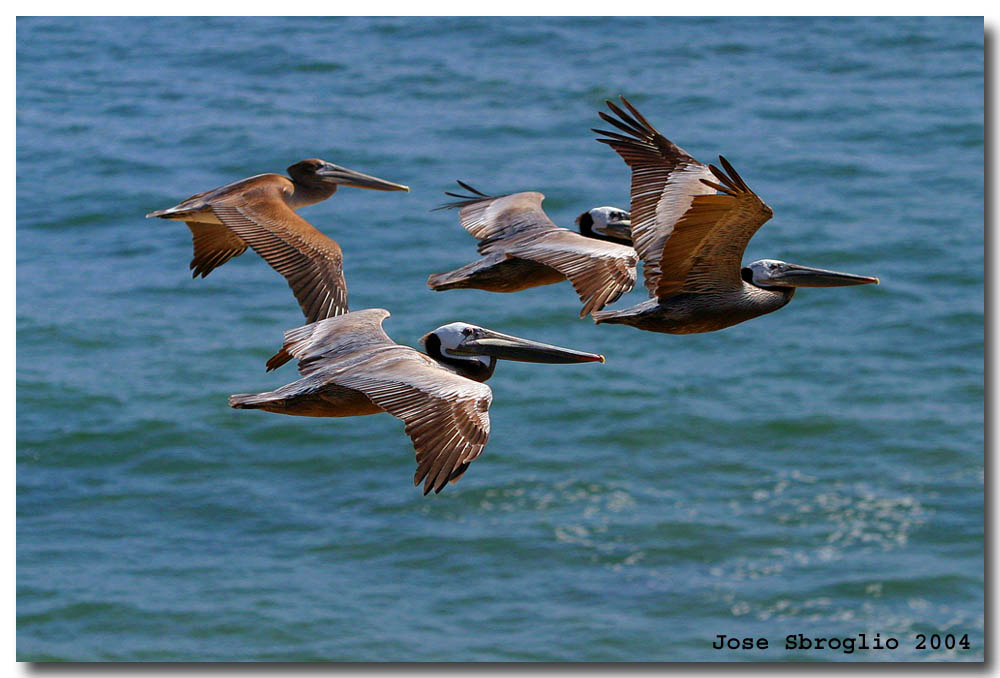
x: 254, y: 401
x: 176, y: 212
x: 452, y: 280
x: 610, y: 317
x: 159, y: 213
x: 489, y: 272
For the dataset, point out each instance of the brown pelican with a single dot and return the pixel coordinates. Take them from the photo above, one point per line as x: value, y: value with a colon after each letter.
x: 522, y: 248
x: 350, y: 367
x: 691, y: 239
x: 260, y: 212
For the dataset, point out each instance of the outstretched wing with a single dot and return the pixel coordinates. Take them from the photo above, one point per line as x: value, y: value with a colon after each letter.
x: 488, y: 217
x: 665, y: 180
x: 214, y: 245
x: 319, y: 343
x: 599, y: 271
x: 705, y: 252
x: 446, y: 415
x: 310, y: 261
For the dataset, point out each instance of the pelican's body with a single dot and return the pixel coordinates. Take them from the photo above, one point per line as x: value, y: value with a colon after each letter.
x: 690, y: 225
x: 496, y: 273
x: 687, y: 313
x: 260, y: 212
x: 296, y: 195
x: 350, y: 367
x: 522, y: 248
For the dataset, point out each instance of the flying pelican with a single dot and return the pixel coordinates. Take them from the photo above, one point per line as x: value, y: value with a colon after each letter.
x: 522, y: 248
x: 350, y: 367
x: 691, y: 240
x: 260, y: 212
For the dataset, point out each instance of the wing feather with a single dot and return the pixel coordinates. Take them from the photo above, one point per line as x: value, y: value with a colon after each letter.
x: 309, y: 260
x: 445, y: 415
x: 665, y: 180
x: 599, y: 271
x: 319, y: 343
x: 214, y: 245
x: 690, y: 239
x: 486, y: 216
x: 706, y: 251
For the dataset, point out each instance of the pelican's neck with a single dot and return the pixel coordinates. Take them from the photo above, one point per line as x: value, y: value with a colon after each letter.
x: 472, y: 369
x: 768, y: 299
x: 309, y: 191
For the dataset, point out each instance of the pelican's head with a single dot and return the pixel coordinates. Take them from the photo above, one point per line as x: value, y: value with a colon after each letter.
x: 467, y: 342
x: 606, y: 223
x: 314, y: 170
x: 767, y: 273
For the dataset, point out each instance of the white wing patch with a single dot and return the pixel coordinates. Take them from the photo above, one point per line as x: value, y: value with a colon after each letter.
x: 678, y: 194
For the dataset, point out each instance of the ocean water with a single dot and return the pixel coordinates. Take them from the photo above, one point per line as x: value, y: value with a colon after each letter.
x: 817, y: 471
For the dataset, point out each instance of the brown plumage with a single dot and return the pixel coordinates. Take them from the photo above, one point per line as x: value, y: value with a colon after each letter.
x: 260, y: 212
x: 691, y: 239
x: 350, y: 367
x: 705, y: 251
x: 523, y: 248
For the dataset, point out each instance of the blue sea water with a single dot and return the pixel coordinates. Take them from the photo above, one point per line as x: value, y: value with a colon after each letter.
x: 818, y: 470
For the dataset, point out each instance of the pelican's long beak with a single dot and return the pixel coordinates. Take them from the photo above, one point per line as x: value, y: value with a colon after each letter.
x: 504, y: 346
x: 347, y: 177
x: 616, y: 229
x: 806, y: 276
